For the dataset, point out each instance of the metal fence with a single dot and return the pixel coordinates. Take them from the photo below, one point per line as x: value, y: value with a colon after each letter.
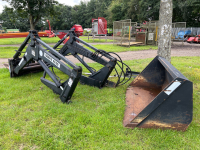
x: 152, y: 33
x: 194, y: 30
x: 147, y: 32
x: 178, y: 31
x: 124, y: 32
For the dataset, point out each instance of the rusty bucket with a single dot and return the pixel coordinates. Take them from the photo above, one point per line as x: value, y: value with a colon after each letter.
x: 159, y: 97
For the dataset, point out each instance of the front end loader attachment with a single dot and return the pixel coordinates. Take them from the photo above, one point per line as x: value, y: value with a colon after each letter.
x: 98, y: 78
x: 159, y: 97
x: 40, y: 56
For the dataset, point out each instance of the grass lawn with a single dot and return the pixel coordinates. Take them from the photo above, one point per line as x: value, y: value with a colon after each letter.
x: 33, y: 117
x: 8, y: 52
x: 115, y: 48
x: 96, y: 39
x: 12, y: 41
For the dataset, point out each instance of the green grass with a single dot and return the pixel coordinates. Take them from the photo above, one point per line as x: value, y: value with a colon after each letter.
x: 8, y: 52
x: 12, y: 41
x: 96, y: 39
x: 33, y: 117
x: 115, y: 48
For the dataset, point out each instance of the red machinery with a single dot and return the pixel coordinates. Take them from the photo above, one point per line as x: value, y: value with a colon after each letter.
x: 49, y: 32
x: 78, y: 30
x: 20, y: 34
x: 99, y: 26
x: 195, y: 39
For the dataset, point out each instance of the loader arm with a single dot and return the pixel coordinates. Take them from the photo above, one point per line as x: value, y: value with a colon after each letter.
x: 47, y: 59
x: 97, y: 78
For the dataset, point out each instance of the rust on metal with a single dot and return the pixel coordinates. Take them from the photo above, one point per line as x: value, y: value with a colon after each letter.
x: 149, y: 106
x: 161, y: 125
x: 137, y: 98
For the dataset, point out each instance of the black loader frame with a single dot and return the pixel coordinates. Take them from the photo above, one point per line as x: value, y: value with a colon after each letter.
x: 97, y: 78
x: 45, y: 59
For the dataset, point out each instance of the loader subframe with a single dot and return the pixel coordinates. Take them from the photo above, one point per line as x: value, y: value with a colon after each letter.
x: 45, y: 59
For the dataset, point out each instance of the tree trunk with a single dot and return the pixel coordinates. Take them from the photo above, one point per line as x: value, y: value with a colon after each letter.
x: 32, y: 26
x: 165, y: 24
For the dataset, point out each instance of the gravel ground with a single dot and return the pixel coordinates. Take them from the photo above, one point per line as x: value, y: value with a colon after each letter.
x: 178, y: 49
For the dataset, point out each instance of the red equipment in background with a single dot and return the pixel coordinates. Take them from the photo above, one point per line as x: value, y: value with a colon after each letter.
x: 20, y: 34
x: 49, y: 32
x: 99, y: 26
x: 195, y: 39
x: 78, y: 30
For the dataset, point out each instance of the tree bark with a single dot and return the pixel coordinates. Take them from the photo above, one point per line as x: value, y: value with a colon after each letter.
x: 32, y: 22
x: 165, y: 27
x: 32, y: 27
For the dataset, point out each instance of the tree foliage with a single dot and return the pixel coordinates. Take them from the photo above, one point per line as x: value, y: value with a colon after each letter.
x: 34, y: 10
x: 187, y: 11
x: 144, y: 10
x: 11, y: 20
x: 63, y: 21
x: 63, y: 17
